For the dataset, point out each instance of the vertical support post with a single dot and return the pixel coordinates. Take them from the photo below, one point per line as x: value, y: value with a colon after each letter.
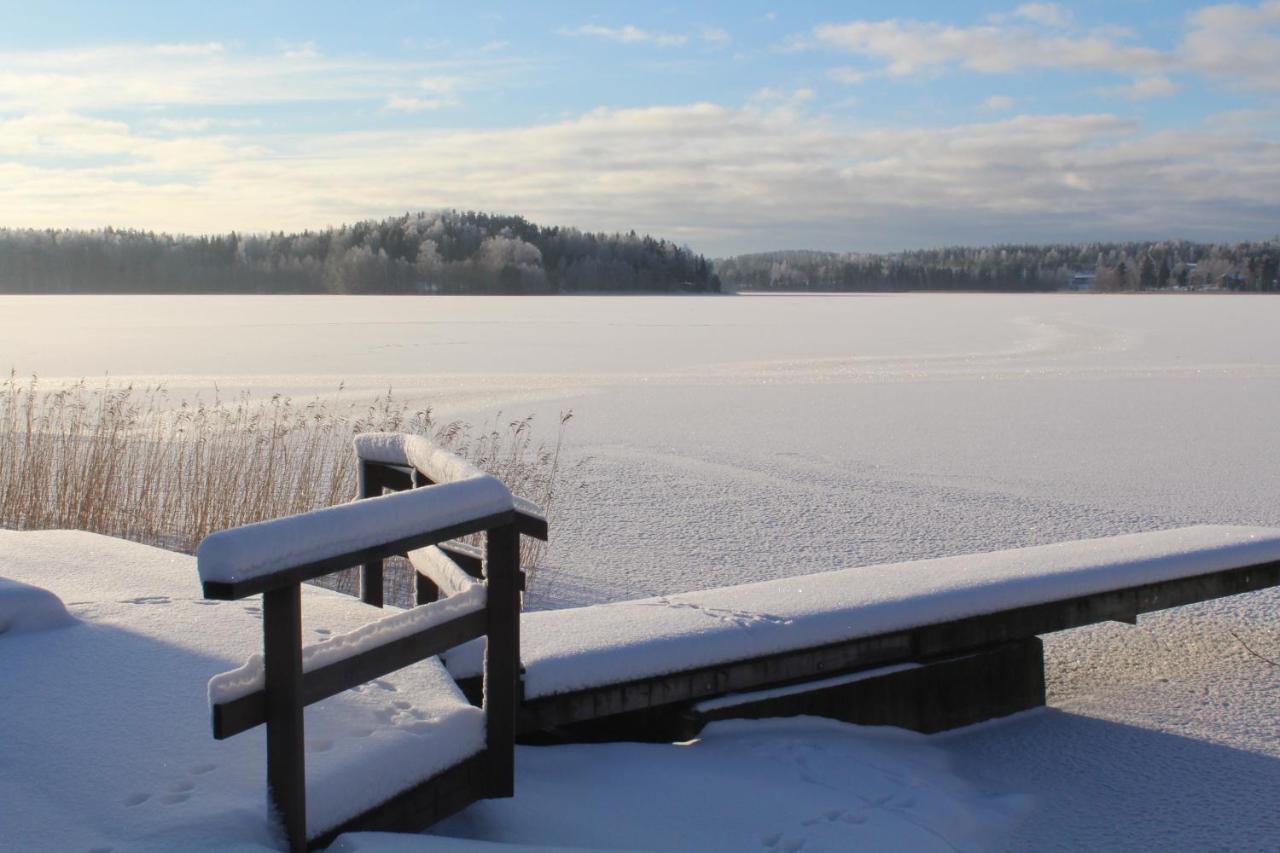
x: 425, y: 589
x: 502, y: 656
x: 370, y: 572
x: 286, y: 763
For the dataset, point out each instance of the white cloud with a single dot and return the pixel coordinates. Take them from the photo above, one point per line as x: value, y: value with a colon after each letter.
x: 723, y: 178
x: 912, y: 47
x: 1045, y: 14
x: 1144, y: 88
x: 1236, y: 43
x: 627, y: 34
x: 715, y: 35
x: 998, y: 103
x: 118, y: 76
x: 410, y: 104
x: 848, y: 75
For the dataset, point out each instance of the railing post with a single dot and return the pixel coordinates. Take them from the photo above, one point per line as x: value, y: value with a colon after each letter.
x: 502, y: 656
x: 282, y: 659
x: 371, y: 572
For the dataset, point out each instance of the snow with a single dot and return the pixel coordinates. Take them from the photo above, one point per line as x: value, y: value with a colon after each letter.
x: 251, y: 675
x: 769, y: 785
x: 29, y: 608
x: 258, y: 549
x: 582, y: 647
x: 107, y: 742
x: 443, y: 571
x: 415, y: 451
x: 721, y: 441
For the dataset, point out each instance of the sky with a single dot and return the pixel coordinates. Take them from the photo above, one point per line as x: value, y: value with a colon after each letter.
x: 728, y: 126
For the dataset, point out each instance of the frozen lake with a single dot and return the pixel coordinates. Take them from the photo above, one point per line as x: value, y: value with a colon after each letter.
x: 723, y: 439
x: 719, y: 439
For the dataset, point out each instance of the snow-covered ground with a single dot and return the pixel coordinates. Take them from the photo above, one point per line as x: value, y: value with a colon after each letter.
x: 733, y: 439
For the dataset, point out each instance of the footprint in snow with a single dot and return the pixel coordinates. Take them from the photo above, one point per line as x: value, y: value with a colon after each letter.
x: 174, y: 799
x: 136, y: 799
x: 201, y: 769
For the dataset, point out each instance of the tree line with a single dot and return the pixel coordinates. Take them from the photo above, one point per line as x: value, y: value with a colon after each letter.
x: 437, y: 252
x: 1131, y: 266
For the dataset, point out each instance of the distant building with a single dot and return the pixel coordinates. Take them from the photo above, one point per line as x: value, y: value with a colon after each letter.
x: 1081, y: 281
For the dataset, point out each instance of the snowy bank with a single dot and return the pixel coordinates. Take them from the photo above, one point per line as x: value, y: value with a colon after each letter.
x: 106, y: 729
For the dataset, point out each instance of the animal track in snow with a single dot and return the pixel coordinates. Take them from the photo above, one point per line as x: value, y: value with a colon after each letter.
x: 741, y: 618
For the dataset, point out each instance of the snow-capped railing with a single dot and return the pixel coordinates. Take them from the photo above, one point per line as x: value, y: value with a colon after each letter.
x: 447, y: 498
x: 392, y: 461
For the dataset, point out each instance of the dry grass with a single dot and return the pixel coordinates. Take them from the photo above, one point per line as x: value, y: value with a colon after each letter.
x: 134, y: 463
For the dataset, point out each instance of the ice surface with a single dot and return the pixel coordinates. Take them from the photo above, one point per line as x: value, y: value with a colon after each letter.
x: 259, y: 549
x: 582, y: 647
x: 29, y: 608
x: 251, y: 676
x: 720, y: 441
x: 106, y: 730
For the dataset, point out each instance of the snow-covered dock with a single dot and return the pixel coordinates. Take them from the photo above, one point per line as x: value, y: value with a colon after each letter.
x: 105, y: 721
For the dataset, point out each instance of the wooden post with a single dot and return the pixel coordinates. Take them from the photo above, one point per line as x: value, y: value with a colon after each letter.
x: 502, y: 656
x: 286, y: 762
x: 425, y: 589
x: 371, y: 572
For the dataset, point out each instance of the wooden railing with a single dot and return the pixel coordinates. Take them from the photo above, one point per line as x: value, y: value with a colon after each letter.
x: 261, y: 558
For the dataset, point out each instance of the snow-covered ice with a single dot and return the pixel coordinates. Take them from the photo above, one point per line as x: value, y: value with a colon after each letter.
x: 576, y: 648
x: 721, y: 441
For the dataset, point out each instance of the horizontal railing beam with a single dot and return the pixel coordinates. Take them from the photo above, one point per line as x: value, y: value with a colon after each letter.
x: 234, y: 590
x: 239, y: 715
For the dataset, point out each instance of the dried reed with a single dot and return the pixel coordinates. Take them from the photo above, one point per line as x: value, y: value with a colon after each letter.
x: 132, y: 462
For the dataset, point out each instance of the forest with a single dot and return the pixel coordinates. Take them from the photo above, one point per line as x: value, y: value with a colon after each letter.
x: 1132, y: 266
x: 438, y: 252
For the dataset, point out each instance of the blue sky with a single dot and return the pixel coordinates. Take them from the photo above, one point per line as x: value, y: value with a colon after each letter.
x: 730, y: 126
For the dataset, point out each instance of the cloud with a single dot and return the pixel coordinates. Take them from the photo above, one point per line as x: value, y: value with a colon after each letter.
x: 913, y: 47
x: 715, y: 35
x: 204, y: 74
x: 998, y: 103
x: 628, y: 34
x: 1233, y: 43
x: 1145, y: 88
x: 722, y: 178
x: 1237, y: 43
x: 1045, y: 14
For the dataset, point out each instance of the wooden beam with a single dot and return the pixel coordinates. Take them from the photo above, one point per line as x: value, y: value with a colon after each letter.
x: 240, y: 715
x: 502, y: 656
x: 286, y: 763
x: 234, y: 590
x: 946, y: 638
x: 371, y: 587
